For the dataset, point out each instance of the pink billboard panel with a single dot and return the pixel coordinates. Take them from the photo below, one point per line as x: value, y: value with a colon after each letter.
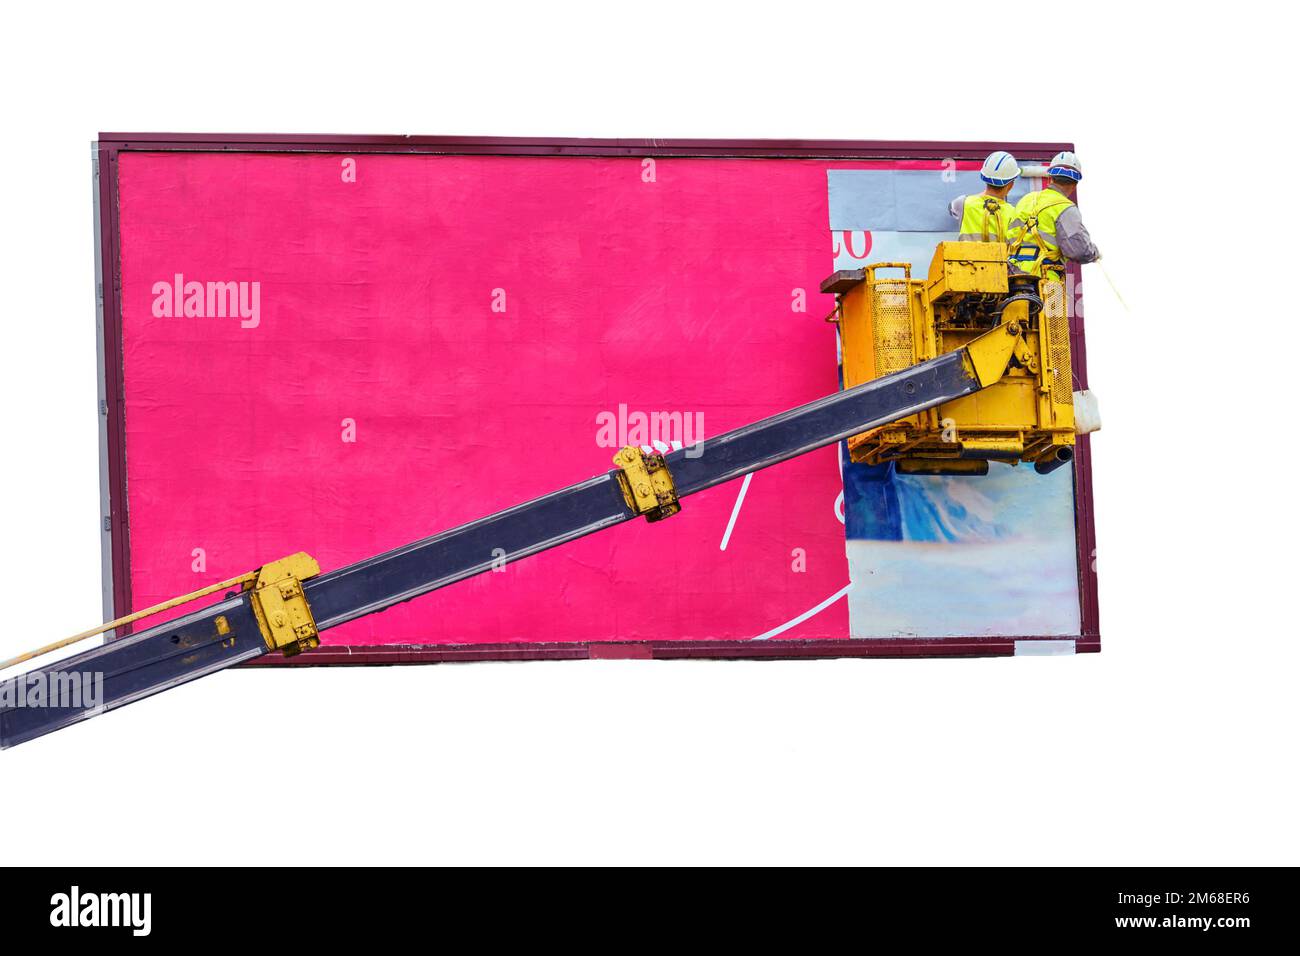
x: 340, y: 350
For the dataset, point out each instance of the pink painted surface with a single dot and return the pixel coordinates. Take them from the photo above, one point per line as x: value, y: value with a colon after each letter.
x: 375, y: 306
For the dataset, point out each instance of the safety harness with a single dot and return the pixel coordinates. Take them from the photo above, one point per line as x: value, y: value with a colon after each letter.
x: 1033, y: 259
x: 993, y: 209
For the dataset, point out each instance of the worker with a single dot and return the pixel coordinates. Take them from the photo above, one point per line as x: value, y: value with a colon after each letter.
x: 987, y: 216
x: 1046, y: 231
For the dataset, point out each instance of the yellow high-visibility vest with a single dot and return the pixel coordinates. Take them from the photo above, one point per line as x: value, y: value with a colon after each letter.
x: 985, y: 218
x: 1032, y: 235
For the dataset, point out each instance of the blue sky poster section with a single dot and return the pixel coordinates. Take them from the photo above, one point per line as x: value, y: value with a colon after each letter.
x: 937, y: 556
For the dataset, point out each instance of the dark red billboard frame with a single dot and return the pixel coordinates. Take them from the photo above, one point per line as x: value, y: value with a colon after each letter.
x: 111, y: 145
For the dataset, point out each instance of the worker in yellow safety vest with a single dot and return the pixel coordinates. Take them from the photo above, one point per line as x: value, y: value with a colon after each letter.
x: 1046, y: 231
x: 986, y: 217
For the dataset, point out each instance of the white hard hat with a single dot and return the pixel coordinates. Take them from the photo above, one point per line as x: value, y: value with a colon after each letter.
x: 1066, y: 165
x: 999, y: 169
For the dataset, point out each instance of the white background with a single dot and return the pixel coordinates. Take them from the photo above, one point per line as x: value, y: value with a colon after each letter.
x: 1176, y: 745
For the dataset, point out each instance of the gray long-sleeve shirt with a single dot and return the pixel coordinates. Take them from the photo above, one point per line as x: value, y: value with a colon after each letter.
x: 1072, y: 236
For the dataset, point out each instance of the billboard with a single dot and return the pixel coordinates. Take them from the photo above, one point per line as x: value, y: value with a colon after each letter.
x: 341, y: 345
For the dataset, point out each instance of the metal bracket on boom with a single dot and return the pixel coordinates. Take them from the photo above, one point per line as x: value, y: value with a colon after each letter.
x: 989, y: 355
x: 647, y: 484
x: 281, y: 607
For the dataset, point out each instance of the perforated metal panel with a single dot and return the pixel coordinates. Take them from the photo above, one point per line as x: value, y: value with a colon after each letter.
x: 1058, y: 342
x: 891, y: 317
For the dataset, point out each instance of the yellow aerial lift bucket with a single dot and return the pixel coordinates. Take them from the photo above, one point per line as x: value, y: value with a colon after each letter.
x: 889, y: 321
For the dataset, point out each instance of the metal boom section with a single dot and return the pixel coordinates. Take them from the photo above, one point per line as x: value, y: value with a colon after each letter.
x: 284, y: 610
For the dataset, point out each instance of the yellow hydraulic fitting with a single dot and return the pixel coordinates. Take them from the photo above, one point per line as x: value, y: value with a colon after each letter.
x: 281, y: 607
x: 647, y: 484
